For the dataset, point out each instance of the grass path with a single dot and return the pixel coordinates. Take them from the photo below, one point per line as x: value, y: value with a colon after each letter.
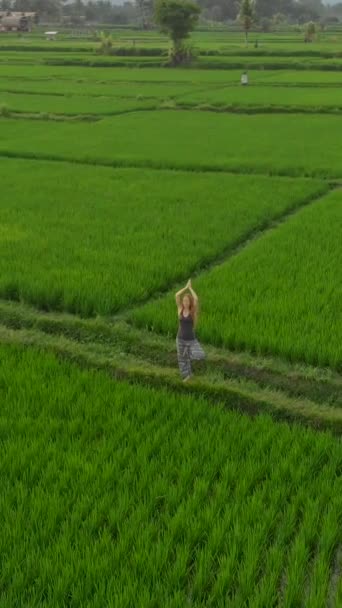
x: 242, y: 381
x: 125, y: 163
x: 249, y: 384
x: 233, y: 251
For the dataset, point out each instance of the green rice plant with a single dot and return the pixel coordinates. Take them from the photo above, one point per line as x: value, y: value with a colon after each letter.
x: 267, y: 96
x: 4, y: 110
x: 70, y: 105
x: 281, y: 295
x: 307, y: 77
x: 111, y: 492
x: 69, y: 88
x: 94, y: 240
x: 53, y: 75
x: 188, y: 139
x: 207, y: 60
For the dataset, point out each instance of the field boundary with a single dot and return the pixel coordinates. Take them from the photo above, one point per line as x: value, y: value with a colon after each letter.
x: 252, y: 109
x: 155, y: 347
x: 235, y: 396
x: 299, y: 173
x: 233, y: 250
x: 248, y: 109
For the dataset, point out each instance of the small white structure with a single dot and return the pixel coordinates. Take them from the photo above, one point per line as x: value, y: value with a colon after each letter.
x: 50, y: 35
x: 244, y: 79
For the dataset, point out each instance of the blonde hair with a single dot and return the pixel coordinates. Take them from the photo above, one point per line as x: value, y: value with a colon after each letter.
x: 193, y: 309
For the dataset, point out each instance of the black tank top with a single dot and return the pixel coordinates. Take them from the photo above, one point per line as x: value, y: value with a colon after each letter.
x: 186, y: 328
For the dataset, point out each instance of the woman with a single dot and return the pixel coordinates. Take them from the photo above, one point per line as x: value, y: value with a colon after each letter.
x: 188, y: 348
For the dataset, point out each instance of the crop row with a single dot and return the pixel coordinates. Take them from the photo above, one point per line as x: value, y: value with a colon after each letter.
x: 111, y: 493
x: 97, y: 240
x: 89, y: 88
x: 53, y: 77
x: 189, y: 139
x: 56, y: 74
x: 135, y: 43
x: 209, y: 61
x: 267, y: 96
x: 126, y: 98
x: 281, y: 295
x: 70, y: 105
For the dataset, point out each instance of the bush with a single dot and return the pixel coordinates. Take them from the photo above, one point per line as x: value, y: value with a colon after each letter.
x: 4, y: 111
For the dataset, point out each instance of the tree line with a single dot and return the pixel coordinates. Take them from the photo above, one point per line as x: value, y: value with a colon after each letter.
x: 269, y: 12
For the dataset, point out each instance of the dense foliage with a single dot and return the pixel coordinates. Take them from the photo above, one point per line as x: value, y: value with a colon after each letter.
x: 111, y: 492
x: 177, y: 18
x: 280, y: 295
x: 126, y: 233
x: 190, y: 140
x: 116, y: 495
x: 140, y: 11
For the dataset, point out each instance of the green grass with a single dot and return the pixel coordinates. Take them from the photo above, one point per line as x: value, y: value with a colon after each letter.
x: 52, y: 75
x: 219, y: 60
x: 267, y: 96
x: 95, y: 240
x: 85, y: 59
x: 304, y: 77
x: 112, y: 492
x: 89, y: 88
x: 190, y: 140
x: 240, y: 381
x: 107, y: 97
x: 122, y: 496
x: 280, y: 295
x: 71, y: 105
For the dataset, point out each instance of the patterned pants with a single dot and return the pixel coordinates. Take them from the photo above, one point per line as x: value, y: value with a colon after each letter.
x: 187, y: 351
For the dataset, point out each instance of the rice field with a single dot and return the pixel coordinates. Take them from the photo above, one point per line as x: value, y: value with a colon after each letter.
x: 88, y: 88
x: 256, y: 95
x: 113, y: 492
x: 105, y: 100
x: 75, y: 74
x: 146, y: 492
x: 67, y: 97
x: 111, y: 238
x: 195, y: 140
x: 281, y: 294
x: 70, y: 106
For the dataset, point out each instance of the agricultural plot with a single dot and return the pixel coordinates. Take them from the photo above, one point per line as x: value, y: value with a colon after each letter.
x: 188, y: 139
x: 267, y: 96
x: 79, y: 96
x: 104, y: 76
x: 88, y: 88
x: 71, y: 105
x: 111, y: 492
x: 221, y: 60
x: 275, y: 62
x: 282, y: 294
x: 265, y: 89
x: 309, y: 77
x: 101, y: 239
x: 88, y: 59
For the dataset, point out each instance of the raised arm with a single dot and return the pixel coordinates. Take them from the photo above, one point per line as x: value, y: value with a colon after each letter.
x: 195, y: 298
x: 193, y: 293
x: 180, y: 293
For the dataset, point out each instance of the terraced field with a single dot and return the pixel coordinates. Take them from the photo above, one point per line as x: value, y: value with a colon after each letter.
x: 281, y: 294
x: 120, y: 485
x: 187, y: 140
x: 126, y: 234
